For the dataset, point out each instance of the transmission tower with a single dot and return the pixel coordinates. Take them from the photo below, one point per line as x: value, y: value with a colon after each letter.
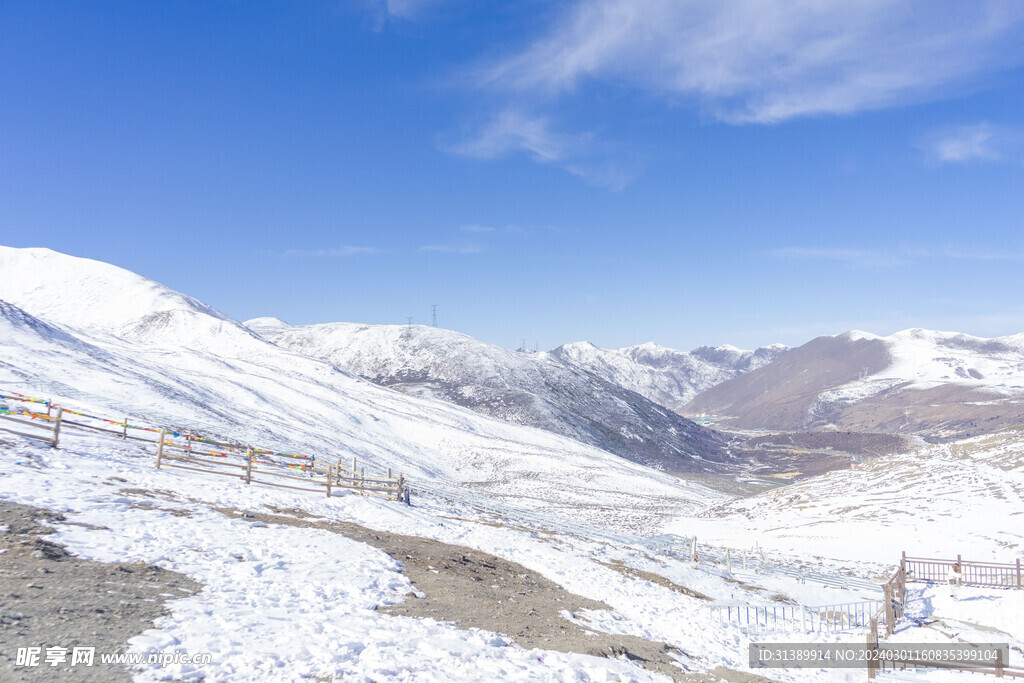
x: 434, y: 324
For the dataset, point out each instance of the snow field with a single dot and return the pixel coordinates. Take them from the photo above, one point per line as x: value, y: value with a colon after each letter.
x: 283, y: 602
x: 941, y: 501
x: 280, y: 603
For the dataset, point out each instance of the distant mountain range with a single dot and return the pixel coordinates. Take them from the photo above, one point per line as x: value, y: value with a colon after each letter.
x: 941, y: 385
x: 666, y: 376
x: 532, y: 389
x: 91, y: 317
x: 106, y: 340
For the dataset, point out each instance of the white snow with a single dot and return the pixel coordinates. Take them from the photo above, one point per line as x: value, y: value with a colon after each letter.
x: 281, y: 603
x: 941, y: 501
x: 927, y: 358
x: 666, y: 376
x: 193, y: 368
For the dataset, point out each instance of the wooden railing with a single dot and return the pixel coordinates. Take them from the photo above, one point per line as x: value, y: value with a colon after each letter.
x: 985, y: 574
x: 876, y: 665
x: 187, y: 450
x: 245, y: 463
x: 894, y: 598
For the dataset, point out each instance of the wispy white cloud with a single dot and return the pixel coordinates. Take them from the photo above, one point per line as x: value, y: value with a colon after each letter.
x: 974, y: 254
x: 513, y: 131
x: 453, y: 248
x: 477, y: 228
x: 344, y: 250
x: 853, y: 256
x: 978, y: 142
x: 766, y: 61
x: 402, y: 9
x: 901, y: 256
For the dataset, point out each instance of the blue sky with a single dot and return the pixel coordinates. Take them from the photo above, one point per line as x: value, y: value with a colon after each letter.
x: 620, y: 171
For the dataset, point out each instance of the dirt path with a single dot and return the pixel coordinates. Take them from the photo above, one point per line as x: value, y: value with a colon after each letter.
x: 50, y: 599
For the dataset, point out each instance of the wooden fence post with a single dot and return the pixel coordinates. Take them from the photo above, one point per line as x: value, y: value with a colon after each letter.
x: 999, y: 663
x: 49, y: 407
x: 362, y: 480
x: 330, y: 470
x: 160, y: 448
x: 890, y: 611
x: 903, y: 577
x: 872, y: 645
x: 248, y: 464
x: 56, y: 428
x: 1018, y: 574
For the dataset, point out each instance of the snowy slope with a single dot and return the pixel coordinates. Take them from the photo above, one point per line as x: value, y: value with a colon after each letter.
x: 664, y: 375
x: 965, y: 497
x: 521, y: 388
x: 101, y: 298
x: 232, y: 383
x: 282, y: 603
x: 940, y: 384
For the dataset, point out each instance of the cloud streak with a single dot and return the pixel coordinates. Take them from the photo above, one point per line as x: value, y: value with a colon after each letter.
x: 980, y: 142
x: 452, y: 248
x: 344, y: 250
x: 852, y: 256
x: 856, y: 256
x: 512, y: 131
x: 765, y: 61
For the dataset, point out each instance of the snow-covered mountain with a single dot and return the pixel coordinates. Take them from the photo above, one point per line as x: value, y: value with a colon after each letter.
x: 103, y: 299
x: 87, y: 346
x: 664, y: 375
x: 940, y: 384
x: 518, y: 387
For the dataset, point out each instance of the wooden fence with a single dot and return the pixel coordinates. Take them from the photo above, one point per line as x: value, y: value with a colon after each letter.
x: 894, y: 599
x: 877, y: 664
x: 985, y: 574
x: 50, y: 425
x: 243, y: 462
x: 190, y: 451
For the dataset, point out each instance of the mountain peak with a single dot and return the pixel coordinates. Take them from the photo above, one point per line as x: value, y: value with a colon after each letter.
x: 266, y: 322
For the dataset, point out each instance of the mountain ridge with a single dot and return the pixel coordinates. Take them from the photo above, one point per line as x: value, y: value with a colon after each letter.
x: 535, y: 389
x: 664, y: 375
x: 941, y: 385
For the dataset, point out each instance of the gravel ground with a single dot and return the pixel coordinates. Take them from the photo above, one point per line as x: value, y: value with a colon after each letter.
x: 50, y: 599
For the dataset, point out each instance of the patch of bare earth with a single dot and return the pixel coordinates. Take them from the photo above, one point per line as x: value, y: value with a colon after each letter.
x: 49, y: 598
x: 473, y: 589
